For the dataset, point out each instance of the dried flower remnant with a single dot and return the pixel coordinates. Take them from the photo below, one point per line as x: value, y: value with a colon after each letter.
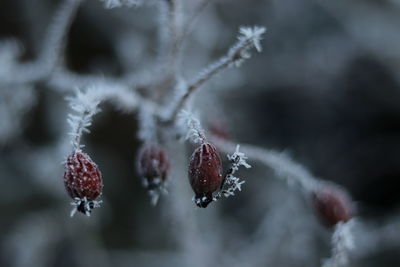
x: 332, y: 205
x: 83, y: 182
x: 205, y: 173
x: 152, y: 166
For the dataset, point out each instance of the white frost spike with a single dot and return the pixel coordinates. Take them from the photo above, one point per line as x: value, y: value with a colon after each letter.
x: 194, y: 131
x: 254, y: 34
x: 249, y: 37
x: 239, y: 159
x: 233, y: 183
x: 119, y: 3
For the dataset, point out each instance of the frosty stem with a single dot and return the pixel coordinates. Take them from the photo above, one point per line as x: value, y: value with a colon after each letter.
x: 248, y: 38
x: 342, y: 244
x: 285, y: 167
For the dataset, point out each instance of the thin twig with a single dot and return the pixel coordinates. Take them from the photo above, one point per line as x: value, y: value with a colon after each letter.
x: 285, y: 167
x: 248, y: 38
x: 342, y: 244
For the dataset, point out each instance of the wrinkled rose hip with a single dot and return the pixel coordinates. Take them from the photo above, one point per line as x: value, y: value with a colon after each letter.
x: 152, y: 165
x: 205, y: 173
x: 332, y: 205
x: 83, y: 181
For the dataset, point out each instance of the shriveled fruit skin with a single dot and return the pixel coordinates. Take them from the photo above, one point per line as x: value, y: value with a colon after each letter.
x: 82, y: 177
x: 205, y: 173
x: 153, y: 164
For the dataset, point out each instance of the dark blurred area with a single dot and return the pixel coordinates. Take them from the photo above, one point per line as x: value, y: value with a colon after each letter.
x: 325, y: 90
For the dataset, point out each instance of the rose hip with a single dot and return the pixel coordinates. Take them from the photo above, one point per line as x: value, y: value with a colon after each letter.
x: 152, y: 165
x: 205, y: 173
x: 83, y: 181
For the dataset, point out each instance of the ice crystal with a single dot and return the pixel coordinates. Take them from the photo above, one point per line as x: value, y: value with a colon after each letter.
x: 249, y: 37
x: 233, y: 183
x: 254, y: 34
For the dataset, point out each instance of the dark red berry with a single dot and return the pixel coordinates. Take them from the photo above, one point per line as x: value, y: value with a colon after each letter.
x: 152, y: 165
x: 332, y: 205
x: 205, y: 173
x: 82, y: 180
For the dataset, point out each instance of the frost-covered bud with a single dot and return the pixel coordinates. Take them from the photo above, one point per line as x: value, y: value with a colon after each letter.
x: 83, y: 182
x: 332, y: 205
x: 205, y: 173
x: 152, y: 165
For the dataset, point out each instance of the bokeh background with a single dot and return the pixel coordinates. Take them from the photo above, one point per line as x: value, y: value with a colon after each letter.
x: 325, y: 90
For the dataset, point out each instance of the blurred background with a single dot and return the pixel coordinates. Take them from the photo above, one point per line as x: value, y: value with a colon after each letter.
x: 325, y: 90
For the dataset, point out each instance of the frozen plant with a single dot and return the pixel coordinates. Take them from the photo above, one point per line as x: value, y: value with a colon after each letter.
x: 206, y: 174
x: 156, y: 93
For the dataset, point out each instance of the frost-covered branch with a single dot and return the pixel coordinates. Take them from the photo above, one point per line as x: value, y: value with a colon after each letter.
x: 175, y: 23
x: 147, y: 125
x: 285, y: 167
x: 54, y: 43
x: 120, y: 94
x: 15, y: 102
x: 85, y: 104
x: 342, y: 244
x: 170, y: 32
x: 195, y: 132
x: 120, y: 3
x: 52, y: 47
x: 249, y: 37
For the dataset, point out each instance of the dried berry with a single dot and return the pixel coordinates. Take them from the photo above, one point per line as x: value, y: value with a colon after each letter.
x: 152, y: 165
x: 83, y: 182
x: 205, y: 173
x: 332, y: 205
